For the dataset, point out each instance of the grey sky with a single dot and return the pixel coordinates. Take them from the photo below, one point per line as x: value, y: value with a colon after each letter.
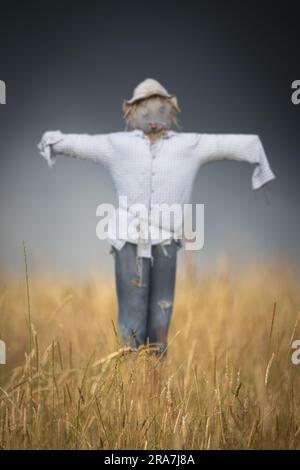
x: 231, y: 71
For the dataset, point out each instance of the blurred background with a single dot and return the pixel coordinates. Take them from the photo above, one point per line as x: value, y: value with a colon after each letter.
x: 69, y: 65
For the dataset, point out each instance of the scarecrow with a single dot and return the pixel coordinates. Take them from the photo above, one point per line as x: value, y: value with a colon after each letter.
x: 152, y: 164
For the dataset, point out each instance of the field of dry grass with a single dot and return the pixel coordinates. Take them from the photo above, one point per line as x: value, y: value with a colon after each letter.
x: 228, y: 382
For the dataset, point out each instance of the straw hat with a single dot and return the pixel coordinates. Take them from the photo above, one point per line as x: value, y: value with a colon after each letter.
x: 150, y: 87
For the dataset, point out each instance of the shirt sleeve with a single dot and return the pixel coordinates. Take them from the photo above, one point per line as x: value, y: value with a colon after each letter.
x: 96, y: 148
x: 240, y: 147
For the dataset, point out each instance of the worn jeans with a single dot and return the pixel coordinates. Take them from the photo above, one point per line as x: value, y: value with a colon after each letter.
x: 145, y: 291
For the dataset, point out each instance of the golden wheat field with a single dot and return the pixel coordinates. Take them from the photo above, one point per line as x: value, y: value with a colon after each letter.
x: 228, y: 381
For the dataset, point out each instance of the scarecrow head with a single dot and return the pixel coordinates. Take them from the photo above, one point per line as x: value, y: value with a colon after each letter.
x: 151, y: 109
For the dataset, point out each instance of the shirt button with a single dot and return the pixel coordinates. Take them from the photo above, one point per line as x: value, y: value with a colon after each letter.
x: 153, y: 173
x: 153, y: 156
x: 152, y: 190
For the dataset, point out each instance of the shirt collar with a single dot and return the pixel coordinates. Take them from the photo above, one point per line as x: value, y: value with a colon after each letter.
x: 140, y: 133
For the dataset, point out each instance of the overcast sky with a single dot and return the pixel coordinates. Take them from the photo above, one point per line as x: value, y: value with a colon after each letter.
x: 69, y: 67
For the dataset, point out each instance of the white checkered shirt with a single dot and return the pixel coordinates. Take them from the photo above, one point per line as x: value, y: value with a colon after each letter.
x: 156, y: 173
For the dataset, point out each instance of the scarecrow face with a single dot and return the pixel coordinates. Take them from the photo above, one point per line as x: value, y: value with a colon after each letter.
x: 152, y: 114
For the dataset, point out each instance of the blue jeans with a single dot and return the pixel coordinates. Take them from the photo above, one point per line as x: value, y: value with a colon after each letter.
x: 145, y: 294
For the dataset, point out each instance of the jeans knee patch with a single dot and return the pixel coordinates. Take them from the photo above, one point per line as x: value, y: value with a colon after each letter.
x: 138, y: 283
x: 165, y: 304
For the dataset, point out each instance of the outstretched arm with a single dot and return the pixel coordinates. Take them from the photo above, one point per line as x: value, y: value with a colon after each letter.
x: 240, y: 147
x: 88, y: 147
